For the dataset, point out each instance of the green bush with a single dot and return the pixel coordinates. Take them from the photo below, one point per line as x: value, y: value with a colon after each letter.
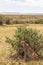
x: 18, y: 22
x: 8, y: 21
x: 15, y: 22
x: 31, y: 36
x: 1, y: 20
x: 1, y: 23
x: 22, y: 22
x: 40, y: 21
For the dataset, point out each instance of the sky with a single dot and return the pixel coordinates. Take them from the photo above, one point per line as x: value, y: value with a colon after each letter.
x: 21, y: 6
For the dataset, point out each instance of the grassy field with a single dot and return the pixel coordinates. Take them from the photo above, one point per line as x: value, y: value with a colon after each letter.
x: 5, y: 48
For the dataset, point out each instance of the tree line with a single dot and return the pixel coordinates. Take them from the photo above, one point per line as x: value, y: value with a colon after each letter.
x: 9, y: 21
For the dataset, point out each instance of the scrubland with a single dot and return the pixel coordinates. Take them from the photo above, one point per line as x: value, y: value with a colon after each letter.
x: 5, y: 48
x: 8, y: 25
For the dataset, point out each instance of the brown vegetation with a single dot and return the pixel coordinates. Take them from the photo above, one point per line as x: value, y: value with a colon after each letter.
x: 21, y: 19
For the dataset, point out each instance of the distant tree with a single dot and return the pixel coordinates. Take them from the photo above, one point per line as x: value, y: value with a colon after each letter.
x: 39, y: 21
x: 1, y: 20
x: 1, y: 23
x: 8, y: 21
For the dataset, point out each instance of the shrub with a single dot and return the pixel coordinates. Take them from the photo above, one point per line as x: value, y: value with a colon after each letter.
x: 31, y: 36
x: 40, y: 21
x: 1, y: 23
x: 8, y: 22
x: 15, y: 22
x: 1, y: 20
x: 22, y: 22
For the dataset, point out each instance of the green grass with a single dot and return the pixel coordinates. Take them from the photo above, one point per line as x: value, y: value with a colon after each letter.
x: 5, y: 48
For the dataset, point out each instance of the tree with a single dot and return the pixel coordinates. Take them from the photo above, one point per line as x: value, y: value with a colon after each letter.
x: 1, y: 20
x: 8, y: 21
x: 30, y: 36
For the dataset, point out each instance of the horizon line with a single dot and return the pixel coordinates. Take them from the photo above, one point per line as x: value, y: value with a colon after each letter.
x: 18, y: 13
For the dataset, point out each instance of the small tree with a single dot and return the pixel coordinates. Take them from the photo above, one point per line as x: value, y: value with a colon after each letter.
x: 39, y: 21
x: 30, y: 36
x: 1, y: 23
x: 8, y: 21
x: 1, y: 20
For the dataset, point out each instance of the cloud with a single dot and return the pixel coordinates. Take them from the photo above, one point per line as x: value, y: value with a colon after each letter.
x: 21, y: 0
x: 22, y: 6
x: 25, y: 2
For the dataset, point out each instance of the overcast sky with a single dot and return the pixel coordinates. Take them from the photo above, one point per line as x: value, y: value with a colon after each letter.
x: 21, y: 6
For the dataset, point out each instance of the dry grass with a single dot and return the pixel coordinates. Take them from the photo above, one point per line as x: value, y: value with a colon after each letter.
x: 23, y: 18
x: 23, y: 63
x: 5, y: 48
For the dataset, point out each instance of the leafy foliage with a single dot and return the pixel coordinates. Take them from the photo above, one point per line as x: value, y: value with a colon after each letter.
x: 8, y: 21
x: 1, y: 20
x: 31, y: 36
x: 39, y: 21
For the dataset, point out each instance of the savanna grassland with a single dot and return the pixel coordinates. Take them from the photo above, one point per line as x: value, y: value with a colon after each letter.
x: 21, y: 19
x: 5, y: 48
x: 9, y: 30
